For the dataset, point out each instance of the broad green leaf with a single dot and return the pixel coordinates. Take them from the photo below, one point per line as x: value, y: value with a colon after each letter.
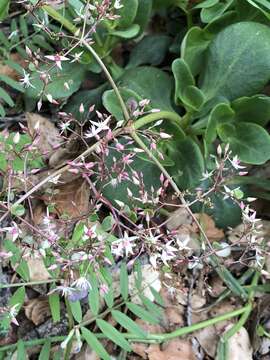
x: 206, y: 4
x: 23, y: 26
x: 94, y: 344
x: 249, y: 141
x: 127, y: 33
x: 111, y: 333
x: 76, y: 310
x: 209, y: 14
x: 23, y: 270
x: 193, y: 97
x: 128, y: 324
x: 255, y: 109
x: 189, y: 163
x: 111, y: 102
x: 220, y: 114
x: 183, y: 78
x: 54, y: 302
x: 143, y: 13
x: 17, y: 210
x: 4, y: 6
x: 108, y: 223
x: 71, y: 74
x: 127, y: 13
x: 87, y: 98
x: 45, y: 351
x: 238, y: 61
x: 124, y: 281
x: 146, y: 81
x: 151, y: 50
x: 258, y: 6
x: 21, y: 353
x: 193, y: 48
x: 142, y: 313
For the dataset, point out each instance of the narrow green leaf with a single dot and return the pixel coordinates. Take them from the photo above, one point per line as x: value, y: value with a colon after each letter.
x: 109, y: 298
x: 157, y: 296
x: 93, y: 297
x: 2, y: 111
x: 76, y: 310
x: 18, y: 298
x: 45, y: 351
x: 142, y: 313
x: 128, y: 324
x: 124, y: 281
x: 54, y: 302
x: 95, y: 344
x: 23, y: 25
x: 6, y: 97
x: 151, y: 306
x: 14, y: 84
x: 114, y: 335
x: 21, y: 353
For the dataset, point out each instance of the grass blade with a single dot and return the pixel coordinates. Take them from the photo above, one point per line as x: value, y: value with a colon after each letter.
x: 111, y: 333
x: 95, y: 344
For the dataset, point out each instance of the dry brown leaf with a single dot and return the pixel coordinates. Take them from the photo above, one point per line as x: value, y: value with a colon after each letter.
x: 37, y: 269
x: 71, y: 199
x: 239, y: 345
x: 177, y: 218
x: 173, y: 350
x: 48, y: 133
x: 208, y: 224
x: 37, y: 310
x: 9, y: 71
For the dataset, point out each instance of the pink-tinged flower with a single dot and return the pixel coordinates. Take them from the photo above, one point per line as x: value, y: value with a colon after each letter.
x: 124, y: 245
x: 164, y: 135
x: 13, y: 231
x: 57, y: 59
x: 97, y: 127
x: 236, y: 163
x: 103, y: 289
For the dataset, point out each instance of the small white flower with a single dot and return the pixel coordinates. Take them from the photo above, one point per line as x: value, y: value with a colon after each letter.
x: 97, y: 127
x: 82, y: 283
x: 26, y: 80
x: 117, y: 4
x: 124, y: 245
x: 57, y: 59
x: 236, y: 163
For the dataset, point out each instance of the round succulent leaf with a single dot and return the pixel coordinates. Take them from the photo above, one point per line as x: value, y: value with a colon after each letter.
x: 238, y: 61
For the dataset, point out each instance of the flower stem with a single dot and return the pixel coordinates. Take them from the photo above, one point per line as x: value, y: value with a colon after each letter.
x: 147, y: 119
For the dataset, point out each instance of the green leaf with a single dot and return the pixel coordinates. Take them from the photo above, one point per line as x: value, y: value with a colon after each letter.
x: 108, y: 223
x: 255, y: 109
x: 193, y: 48
x: 95, y: 344
x: 206, y: 4
x: 5, y: 96
x: 127, y: 13
x: 151, y: 50
x: 54, y: 302
x: 146, y: 82
x: 124, y: 281
x: 76, y: 310
x: 183, y: 78
x: 209, y: 14
x: 151, y: 306
x: 21, y: 353
x: 109, y: 297
x: 238, y: 62
x: 158, y: 298
x: 249, y: 141
x: 17, y: 210
x: 142, y: 313
x: 93, y: 296
x: 17, y: 298
x: 4, y: 6
x: 143, y: 14
x: 12, y: 83
x: 127, y: 33
x: 189, y: 163
x: 128, y: 324
x: 193, y: 97
x: 111, y: 333
x: 45, y: 351
x: 220, y: 114
x: 111, y: 102
x: 72, y: 73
